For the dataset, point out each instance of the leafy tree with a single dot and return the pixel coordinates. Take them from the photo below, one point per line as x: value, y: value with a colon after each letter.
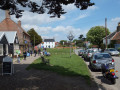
x: 96, y: 34
x: 61, y: 42
x: 53, y: 7
x: 34, y: 36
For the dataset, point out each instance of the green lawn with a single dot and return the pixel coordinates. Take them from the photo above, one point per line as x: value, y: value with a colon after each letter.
x: 61, y: 63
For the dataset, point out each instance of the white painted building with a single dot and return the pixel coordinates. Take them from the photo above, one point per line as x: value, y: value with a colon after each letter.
x: 48, y: 43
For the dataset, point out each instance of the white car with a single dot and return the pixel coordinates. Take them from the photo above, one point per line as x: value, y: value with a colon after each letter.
x: 112, y: 51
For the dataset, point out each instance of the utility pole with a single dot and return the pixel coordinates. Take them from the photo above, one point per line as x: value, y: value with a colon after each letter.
x: 106, y: 31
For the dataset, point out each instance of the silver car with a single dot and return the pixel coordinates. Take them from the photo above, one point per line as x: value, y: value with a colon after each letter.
x: 112, y: 51
x: 101, y: 58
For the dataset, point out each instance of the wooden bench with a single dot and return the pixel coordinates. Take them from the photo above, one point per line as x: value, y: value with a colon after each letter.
x: 44, y: 60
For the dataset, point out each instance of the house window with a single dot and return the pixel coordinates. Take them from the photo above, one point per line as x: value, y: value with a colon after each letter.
x: 6, y: 49
x: 1, y: 49
x: 24, y: 37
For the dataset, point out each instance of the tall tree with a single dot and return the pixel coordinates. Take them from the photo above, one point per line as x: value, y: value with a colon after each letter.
x: 96, y: 34
x: 34, y: 37
x: 81, y: 40
x: 53, y: 7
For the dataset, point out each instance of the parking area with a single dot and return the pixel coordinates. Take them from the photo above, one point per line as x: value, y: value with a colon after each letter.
x: 97, y: 75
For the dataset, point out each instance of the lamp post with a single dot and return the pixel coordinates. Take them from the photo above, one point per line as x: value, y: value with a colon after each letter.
x: 70, y: 37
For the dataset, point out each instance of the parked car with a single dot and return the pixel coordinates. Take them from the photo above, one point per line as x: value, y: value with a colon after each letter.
x: 112, y: 51
x: 89, y: 53
x: 80, y: 52
x: 101, y: 58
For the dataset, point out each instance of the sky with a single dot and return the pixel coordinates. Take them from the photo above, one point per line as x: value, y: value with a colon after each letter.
x: 75, y: 20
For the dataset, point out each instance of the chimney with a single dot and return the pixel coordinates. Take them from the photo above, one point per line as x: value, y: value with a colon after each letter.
x: 118, y: 27
x: 7, y: 14
x: 19, y: 23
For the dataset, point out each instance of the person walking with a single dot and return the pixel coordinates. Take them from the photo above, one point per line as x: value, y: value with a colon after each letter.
x: 35, y: 52
x: 31, y: 52
x: 24, y: 54
x: 39, y: 51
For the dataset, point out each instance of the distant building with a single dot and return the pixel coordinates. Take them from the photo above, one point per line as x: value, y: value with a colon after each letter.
x: 9, y: 25
x: 48, y: 43
x: 115, y: 36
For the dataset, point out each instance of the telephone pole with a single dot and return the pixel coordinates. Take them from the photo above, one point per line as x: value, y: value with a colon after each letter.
x: 106, y: 31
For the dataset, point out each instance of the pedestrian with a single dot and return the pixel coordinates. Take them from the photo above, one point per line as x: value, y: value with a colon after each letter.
x: 44, y: 51
x: 18, y: 58
x: 31, y: 52
x: 39, y: 51
x: 24, y: 54
x: 35, y: 52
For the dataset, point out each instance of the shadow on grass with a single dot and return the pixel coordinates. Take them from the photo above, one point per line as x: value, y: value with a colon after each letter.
x: 58, y: 69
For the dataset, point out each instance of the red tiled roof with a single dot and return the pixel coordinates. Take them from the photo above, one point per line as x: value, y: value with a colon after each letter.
x: 116, y: 36
x: 9, y: 25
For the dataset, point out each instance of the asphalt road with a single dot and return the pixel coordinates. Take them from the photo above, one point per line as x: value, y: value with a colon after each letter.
x: 97, y: 75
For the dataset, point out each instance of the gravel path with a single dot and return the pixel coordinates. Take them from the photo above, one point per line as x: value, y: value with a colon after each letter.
x: 41, y: 80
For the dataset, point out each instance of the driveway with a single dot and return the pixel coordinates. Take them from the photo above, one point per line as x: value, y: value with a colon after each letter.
x: 102, y: 81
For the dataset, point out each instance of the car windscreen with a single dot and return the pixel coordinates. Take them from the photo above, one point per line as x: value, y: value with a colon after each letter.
x: 112, y: 49
x: 101, y: 56
x: 82, y: 50
x: 90, y: 51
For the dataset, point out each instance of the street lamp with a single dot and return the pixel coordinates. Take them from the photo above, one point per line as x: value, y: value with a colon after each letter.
x: 70, y: 37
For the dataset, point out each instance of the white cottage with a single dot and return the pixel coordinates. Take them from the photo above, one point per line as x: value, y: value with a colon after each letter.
x: 48, y: 43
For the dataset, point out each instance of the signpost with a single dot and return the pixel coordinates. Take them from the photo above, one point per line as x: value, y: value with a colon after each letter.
x: 7, y: 66
x: 70, y: 37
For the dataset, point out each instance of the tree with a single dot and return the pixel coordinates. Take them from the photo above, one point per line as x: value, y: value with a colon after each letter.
x: 96, y: 34
x: 34, y: 36
x: 63, y: 41
x: 53, y: 7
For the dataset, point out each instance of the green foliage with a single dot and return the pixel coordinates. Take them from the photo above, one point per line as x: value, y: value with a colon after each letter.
x: 75, y: 40
x: 96, y: 34
x: 52, y: 7
x: 112, y: 43
x: 61, y: 42
x: 90, y: 46
x: 33, y: 34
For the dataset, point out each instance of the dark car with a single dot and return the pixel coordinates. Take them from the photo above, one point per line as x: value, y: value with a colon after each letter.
x: 80, y: 52
x: 101, y: 58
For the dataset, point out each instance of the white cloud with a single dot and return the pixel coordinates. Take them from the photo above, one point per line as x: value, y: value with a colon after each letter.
x: 81, y: 16
x: 117, y: 19
x: 33, y: 18
x: 39, y: 30
x: 92, y: 8
x: 59, y: 32
x: 113, y: 23
x: 69, y: 7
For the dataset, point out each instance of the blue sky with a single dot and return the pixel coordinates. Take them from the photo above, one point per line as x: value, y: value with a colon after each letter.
x: 75, y: 20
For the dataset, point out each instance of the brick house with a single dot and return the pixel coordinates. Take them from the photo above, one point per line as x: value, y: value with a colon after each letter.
x: 9, y: 25
x: 115, y: 36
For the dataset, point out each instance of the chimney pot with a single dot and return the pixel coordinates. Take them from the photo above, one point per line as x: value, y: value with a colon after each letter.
x: 7, y: 14
x: 19, y: 23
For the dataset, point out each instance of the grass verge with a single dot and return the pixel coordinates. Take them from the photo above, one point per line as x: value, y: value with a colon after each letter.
x: 61, y: 63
